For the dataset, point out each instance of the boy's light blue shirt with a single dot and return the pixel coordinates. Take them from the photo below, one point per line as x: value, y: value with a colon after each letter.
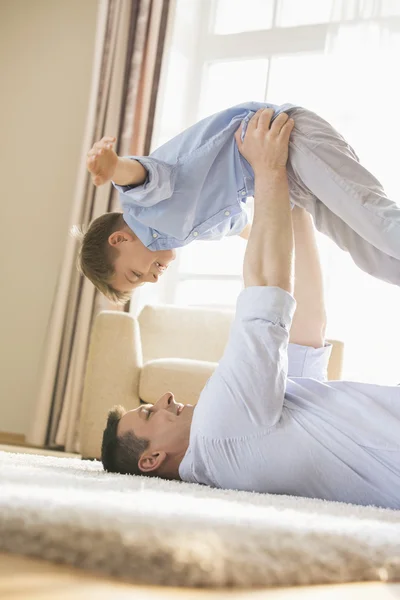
x: 197, y: 183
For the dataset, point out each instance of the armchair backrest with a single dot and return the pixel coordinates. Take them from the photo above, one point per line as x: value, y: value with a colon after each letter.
x: 168, y: 331
x: 197, y: 333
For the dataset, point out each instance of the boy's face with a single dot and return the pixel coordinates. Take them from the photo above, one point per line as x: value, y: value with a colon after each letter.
x: 136, y: 264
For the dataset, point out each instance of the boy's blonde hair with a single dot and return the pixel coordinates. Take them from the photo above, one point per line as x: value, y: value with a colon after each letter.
x: 96, y: 257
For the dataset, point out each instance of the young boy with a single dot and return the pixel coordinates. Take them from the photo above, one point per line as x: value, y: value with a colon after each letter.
x: 194, y: 188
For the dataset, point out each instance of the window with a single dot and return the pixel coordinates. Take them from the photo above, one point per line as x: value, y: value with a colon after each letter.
x: 336, y: 57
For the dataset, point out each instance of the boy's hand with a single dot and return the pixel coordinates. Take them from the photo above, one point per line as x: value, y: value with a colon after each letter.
x: 266, y: 146
x: 102, y: 160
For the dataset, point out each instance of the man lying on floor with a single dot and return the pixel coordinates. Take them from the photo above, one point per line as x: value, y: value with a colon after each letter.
x: 268, y: 420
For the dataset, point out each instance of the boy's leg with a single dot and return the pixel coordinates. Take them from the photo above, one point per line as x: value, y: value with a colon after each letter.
x: 365, y: 255
x: 347, y: 202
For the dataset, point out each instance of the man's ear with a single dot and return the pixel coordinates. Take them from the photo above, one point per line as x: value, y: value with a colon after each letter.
x: 151, y: 461
x: 118, y: 237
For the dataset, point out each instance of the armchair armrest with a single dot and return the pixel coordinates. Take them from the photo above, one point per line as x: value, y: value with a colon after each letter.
x: 112, y: 375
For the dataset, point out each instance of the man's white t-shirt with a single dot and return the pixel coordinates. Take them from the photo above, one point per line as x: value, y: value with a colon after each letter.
x: 269, y: 421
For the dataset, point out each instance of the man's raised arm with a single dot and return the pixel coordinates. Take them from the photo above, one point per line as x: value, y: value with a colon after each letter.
x: 269, y: 258
x: 250, y: 380
x: 309, y: 321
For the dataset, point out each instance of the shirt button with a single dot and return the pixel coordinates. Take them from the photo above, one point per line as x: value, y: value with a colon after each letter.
x: 227, y: 213
x: 195, y: 233
x: 155, y: 235
x: 243, y: 193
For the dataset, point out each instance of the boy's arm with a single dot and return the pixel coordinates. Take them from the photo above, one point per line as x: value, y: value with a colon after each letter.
x: 105, y: 165
x: 309, y: 321
x: 129, y: 172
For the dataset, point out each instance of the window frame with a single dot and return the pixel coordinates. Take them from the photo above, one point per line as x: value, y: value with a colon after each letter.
x: 206, y: 47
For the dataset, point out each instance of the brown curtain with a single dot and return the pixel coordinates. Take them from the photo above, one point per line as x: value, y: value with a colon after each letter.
x: 127, y: 61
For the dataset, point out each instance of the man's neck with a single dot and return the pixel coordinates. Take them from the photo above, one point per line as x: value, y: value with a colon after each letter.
x: 170, y: 468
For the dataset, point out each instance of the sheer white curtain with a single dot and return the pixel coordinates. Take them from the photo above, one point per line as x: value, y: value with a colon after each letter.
x: 129, y: 46
x: 353, y: 86
x: 338, y: 58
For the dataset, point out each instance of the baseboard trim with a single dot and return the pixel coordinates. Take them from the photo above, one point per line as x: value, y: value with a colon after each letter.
x: 12, y: 439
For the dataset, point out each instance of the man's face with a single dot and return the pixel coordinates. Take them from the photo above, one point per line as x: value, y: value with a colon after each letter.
x: 166, y: 424
x: 136, y: 264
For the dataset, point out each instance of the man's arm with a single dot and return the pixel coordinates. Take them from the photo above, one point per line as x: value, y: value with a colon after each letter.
x: 245, y: 233
x: 105, y: 165
x: 269, y: 258
x: 250, y: 380
x: 309, y: 321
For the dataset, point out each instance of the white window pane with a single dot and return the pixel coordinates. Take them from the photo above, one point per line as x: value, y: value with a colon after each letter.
x: 382, y: 8
x: 307, y: 12
x: 300, y: 79
x: 233, y: 82
x: 223, y: 257
x: 173, y: 108
x: 208, y: 293
x: 292, y: 13
x: 363, y: 312
x: 233, y: 16
x: 317, y: 83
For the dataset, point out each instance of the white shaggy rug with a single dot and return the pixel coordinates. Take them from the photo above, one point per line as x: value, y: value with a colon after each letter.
x: 172, y: 533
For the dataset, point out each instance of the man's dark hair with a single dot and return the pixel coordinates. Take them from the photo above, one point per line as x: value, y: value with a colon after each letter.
x: 120, y: 454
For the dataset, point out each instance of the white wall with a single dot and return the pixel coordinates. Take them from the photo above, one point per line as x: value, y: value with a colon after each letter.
x: 46, y: 53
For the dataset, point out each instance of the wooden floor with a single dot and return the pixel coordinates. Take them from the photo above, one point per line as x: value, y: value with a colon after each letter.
x: 30, y: 579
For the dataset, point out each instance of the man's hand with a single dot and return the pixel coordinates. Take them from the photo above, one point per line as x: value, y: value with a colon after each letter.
x: 269, y: 254
x: 266, y: 146
x: 102, y: 160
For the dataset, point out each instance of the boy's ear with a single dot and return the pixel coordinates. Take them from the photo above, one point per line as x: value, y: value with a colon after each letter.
x: 118, y: 237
